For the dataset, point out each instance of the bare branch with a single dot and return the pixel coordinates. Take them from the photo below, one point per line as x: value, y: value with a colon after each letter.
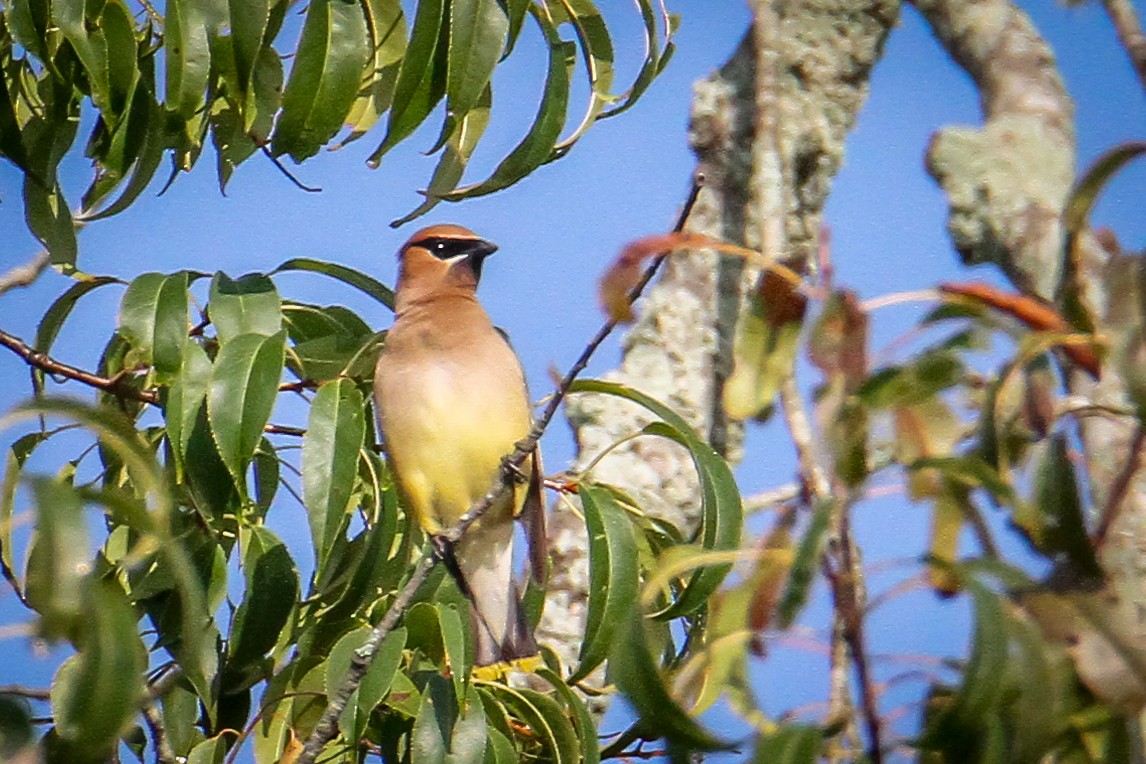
x: 31, y: 693
x: 1119, y: 488
x: 327, y: 725
x: 1129, y: 31
x: 113, y: 385
x: 154, y: 719
x: 24, y: 275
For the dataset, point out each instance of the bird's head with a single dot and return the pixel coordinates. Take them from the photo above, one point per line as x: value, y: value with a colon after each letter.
x: 442, y: 256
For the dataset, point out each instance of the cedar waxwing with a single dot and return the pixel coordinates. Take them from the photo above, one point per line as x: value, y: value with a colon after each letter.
x: 452, y: 402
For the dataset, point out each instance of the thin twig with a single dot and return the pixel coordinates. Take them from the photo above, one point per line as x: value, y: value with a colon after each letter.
x: 327, y: 725
x: 113, y: 385
x: 154, y: 719
x: 32, y: 693
x: 10, y: 577
x: 282, y: 429
x: 24, y: 275
x: 770, y: 498
x: 800, y: 429
x: 283, y: 169
x: 1118, y: 489
x: 1129, y: 31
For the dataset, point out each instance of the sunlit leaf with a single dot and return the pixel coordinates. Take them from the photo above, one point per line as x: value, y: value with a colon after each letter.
x: 59, y: 559
x: 324, y: 78
x: 153, y: 318
x: 367, y: 284
x: 247, y: 305
x: 334, y: 436
x: 243, y: 388
x: 613, y: 575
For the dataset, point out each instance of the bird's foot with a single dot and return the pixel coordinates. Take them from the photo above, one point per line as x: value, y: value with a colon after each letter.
x: 514, y: 471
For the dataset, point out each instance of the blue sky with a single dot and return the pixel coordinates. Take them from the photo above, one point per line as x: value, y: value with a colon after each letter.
x: 559, y: 229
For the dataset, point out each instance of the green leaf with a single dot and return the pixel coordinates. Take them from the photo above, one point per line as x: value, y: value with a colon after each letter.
x: 461, y: 141
x: 153, y: 318
x: 242, y: 392
x: 28, y: 21
x: 454, y: 633
x: 59, y: 559
x: 11, y: 141
x: 357, y: 279
x: 422, y: 79
x: 323, y: 79
x: 586, y: 726
x: 269, y: 597
x: 375, y: 683
x: 546, y: 718
x: 211, y: 751
x: 614, y: 575
x: 90, y: 48
x: 149, y: 156
x: 804, y: 566
x: 478, y: 30
x: 656, y: 57
x: 929, y: 374
x: 248, y: 20
x: 597, y: 51
x: 790, y: 744
x: 470, y: 733
x: 636, y: 674
x: 431, y: 733
x: 49, y: 219
x: 61, y: 308
x: 188, y: 56
x: 721, y: 509
x: 184, y: 399
x: 108, y: 670
x: 537, y: 146
x: 335, y: 432
x: 1054, y: 519
x: 247, y: 305
x: 327, y: 340
x: 386, y: 22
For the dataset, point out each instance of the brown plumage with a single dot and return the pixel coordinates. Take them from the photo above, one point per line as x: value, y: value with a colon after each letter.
x: 452, y: 402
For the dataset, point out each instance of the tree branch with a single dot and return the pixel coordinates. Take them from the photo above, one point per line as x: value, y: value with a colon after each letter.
x: 31, y: 693
x: 24, y: 275
x: 1129, y: 32
x: 163, y: 752
x: 113, y: 385
x: 327, y: 725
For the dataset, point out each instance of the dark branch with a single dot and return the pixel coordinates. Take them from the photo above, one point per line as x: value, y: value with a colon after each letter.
x: 31, y: 693
x: 282, y: 168
x: 327, y: 726
x: 114, y: 385
x: 1119, y: 488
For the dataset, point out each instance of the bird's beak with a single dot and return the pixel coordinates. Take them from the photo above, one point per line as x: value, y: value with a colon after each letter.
x: 480, y: 251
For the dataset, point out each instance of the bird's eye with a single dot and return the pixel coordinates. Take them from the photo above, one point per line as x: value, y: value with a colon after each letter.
x: 440, y: 247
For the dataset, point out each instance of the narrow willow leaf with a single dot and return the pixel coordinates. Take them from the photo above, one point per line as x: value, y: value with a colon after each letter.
x: 150, y: 155
x: 454, y: 633
x: 478, y: 30
x: 721, y: 509
x: 118, y: 27
x: 460, y: 143
x: 614, y: 575
x: 429, y: 739
x: 515, y: 11
x: 59, y: 559
x: 584, y: 724
x: 50, y: 221
x: 470, y: 733
x: 804, y: 566
x: 249, y: 304
x: 547, y: 721
x: 356, y: 279
x: 11, y: 139
x: 597, y: 50
x: 61, y: 308
x: 335, y: 432
x: 636, y: 674
x: 386, y: 23
x: 184, y: 399
x: 242, y: 392
x: 90, y: 47
x: 108, y: 668
x: 767, y: 341
x: 323, y: 79
x: 270, y: 595
x: 422, y: 79
x: 537, y: 146
x: 248, y: 19
x: 656, y: 57
x: 188, y: 53
x: 947, y: 520
x: 153, y: 318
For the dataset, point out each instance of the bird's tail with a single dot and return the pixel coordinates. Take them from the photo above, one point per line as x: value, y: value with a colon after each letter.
x: 483, y: 567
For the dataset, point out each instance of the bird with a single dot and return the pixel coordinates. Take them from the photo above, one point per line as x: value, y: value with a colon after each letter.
x: 452, y: 403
